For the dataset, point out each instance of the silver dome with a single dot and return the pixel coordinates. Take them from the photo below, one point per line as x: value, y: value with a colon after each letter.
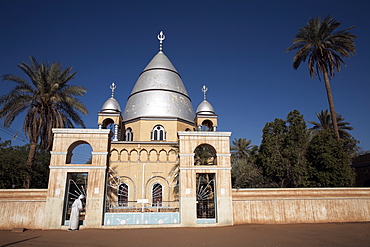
x: 111, y: 105
x: 159, y: 92
x: 205, y: 108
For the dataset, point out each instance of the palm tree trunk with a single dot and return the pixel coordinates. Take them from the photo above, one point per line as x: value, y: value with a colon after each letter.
x: 331, y: 104
x: 29, y: 162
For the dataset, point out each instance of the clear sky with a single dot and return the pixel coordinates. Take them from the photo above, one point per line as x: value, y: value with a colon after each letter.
x: 236, y: 48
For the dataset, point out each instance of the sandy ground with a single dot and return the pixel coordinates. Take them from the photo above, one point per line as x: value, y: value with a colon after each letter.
x: 346, y: 234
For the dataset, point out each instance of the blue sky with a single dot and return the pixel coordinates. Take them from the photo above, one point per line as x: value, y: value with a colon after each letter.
x: 236, y: 48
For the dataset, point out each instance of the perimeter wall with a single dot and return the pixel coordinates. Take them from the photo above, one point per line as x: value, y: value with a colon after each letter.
x: 303, y: 205
x: 22, y: 208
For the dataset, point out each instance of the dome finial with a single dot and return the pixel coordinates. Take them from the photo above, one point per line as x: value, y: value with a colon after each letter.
x: 204, y: 90
x: 112, y: 87
x: 161, y: 37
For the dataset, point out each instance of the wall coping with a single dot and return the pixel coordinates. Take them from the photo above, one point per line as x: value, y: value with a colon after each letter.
x: 23, y: 195
x: 204, y: 133
x: 80, y: 131
x: 298, y: 193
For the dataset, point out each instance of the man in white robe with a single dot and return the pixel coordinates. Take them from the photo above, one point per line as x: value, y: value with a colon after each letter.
x: 75, y: 214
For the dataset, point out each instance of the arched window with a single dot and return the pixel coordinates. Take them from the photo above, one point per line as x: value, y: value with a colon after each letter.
x: 205, y: 155
x: 129, y: 136
x: 158, y: 133
x: 122, y: 195
x: 157, y: 195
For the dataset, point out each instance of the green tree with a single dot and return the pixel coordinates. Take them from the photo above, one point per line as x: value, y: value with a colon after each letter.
x: 49, y: 103
x: 12, y: 169
x: 270, y: 155
x: 40, y: 169
x: 296, y: 149
x: 330, y: 160
x: 325, y: 122
x: 324, y: 49
x: 246, y: 174
x: 12, y: 172
x: 241, y: 149
x: 282, y: 153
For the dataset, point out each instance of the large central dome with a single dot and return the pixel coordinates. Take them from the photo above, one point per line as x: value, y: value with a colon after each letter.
x: 159, y: 93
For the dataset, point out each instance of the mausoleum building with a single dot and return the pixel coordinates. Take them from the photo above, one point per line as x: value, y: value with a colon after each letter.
x: 157, y: 162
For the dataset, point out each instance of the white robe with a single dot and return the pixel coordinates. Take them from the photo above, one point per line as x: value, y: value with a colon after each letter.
x: 75, y: 214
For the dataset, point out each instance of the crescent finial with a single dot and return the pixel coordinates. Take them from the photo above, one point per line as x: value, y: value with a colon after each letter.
x: 204, y: 90
x: 161, y: 37
x: 113, y: 87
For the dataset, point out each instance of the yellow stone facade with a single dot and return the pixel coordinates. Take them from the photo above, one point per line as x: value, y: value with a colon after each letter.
x: 154, y: 163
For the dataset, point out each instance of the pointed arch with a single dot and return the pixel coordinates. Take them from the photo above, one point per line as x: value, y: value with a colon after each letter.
x: 124, y: 155
x: 172, y: 155
x: 114, y: 155
x: 143, y: 155
x: 134, y: 155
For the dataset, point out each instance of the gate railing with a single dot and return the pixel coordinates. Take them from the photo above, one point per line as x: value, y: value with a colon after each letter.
x: 139, y: 207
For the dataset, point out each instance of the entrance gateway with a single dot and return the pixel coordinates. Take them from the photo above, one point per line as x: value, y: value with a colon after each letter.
x: 155, y: 163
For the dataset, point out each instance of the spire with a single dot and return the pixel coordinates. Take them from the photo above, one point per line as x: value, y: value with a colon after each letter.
x: 161, y: 37
x: 204, y: 90
x: 113, y: 87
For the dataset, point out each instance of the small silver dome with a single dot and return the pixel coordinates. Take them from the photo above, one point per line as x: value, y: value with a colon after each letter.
x: 111, y: 105
x: 205, y: 108
x: 159, y: 92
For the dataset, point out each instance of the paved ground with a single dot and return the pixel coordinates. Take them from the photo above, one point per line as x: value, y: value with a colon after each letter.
x: 348, y: 234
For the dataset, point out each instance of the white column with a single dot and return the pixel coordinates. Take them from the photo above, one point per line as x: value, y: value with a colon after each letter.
x: 115, y: 138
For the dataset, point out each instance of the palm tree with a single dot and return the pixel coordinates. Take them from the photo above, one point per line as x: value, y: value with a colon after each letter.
x: 324, y: 49
x: 204, y: 155
x: 241, y: 149
x: 325, y: 122
x: 48, y: 100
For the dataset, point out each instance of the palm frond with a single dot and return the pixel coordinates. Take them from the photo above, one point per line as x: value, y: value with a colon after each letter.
x: 48, y: 100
